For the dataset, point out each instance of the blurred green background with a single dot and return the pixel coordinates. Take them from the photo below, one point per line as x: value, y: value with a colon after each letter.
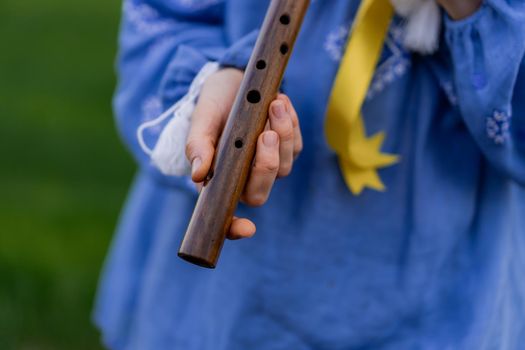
x: 63, y: 175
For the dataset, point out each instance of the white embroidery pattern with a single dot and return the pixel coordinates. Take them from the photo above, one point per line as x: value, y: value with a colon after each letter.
x: 394, y: 66
x: 145, y: 19
x: 388, y: 71
x: 335, y: 43
x: 198, y: 4
x: 498, y: 126
x: 148, y: 20
x: 450, y: 92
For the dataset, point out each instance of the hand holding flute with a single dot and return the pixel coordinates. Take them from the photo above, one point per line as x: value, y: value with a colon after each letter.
x: 277, y: 147
x: 247, y: 158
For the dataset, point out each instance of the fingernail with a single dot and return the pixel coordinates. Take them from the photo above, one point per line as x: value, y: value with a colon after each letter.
x: 279, y: 110
x: 270, y: 139
x: 195, y: 165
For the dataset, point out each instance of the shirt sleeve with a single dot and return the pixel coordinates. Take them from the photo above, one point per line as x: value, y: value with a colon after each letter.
x: 487, y: 52
x: 162, y: 47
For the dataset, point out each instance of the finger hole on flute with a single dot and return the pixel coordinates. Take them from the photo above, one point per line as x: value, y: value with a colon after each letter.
x: 261, y: 64
x: 284, y: 48
x: 285, y: 19
x: 253, y: 96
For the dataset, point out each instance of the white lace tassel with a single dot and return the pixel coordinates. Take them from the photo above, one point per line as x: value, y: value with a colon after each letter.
x: 423, y: 24
x: 423, y: 28
x: 406, y: 7
x: 169, y: 152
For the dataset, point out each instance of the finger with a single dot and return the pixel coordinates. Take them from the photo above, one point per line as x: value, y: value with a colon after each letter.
x: 241, y: 228
x: 264, y: 170
x: 298, y: 138
x: 281, y: 123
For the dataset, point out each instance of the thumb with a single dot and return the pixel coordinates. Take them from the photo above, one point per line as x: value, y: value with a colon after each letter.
x: 208, y: 120
x: 207, y: 123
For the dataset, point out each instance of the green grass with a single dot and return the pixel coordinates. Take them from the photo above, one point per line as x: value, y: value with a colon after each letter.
x: 63, y: 172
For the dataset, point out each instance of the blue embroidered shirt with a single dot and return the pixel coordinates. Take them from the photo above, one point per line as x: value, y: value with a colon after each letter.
x: 434, y: 262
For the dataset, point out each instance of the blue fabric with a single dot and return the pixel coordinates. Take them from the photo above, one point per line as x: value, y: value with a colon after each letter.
x: 434, y: 262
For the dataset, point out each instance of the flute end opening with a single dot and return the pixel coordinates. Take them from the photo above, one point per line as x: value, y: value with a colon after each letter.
x: 196, y: 260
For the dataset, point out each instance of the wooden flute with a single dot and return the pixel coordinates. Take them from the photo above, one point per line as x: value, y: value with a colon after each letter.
x: 220, y: 195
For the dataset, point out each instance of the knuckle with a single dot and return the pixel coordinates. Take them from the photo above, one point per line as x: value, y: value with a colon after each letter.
x: 295, y: 122
x: 191, y: 148
x: 285, y: 170
x: 202, y: 147
x: 256, y: 199
x: 268, y: 166
x: 286, y: 134
x: 298, y: 148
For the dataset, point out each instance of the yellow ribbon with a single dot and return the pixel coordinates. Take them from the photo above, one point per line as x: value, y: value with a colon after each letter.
x: 359, y: 156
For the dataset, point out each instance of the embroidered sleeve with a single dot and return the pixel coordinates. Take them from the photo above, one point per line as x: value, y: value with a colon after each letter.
x: 489, y: 74
x: 163, y: 46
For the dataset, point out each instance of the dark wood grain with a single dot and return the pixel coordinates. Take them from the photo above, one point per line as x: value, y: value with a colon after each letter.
x: 220, y: 195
